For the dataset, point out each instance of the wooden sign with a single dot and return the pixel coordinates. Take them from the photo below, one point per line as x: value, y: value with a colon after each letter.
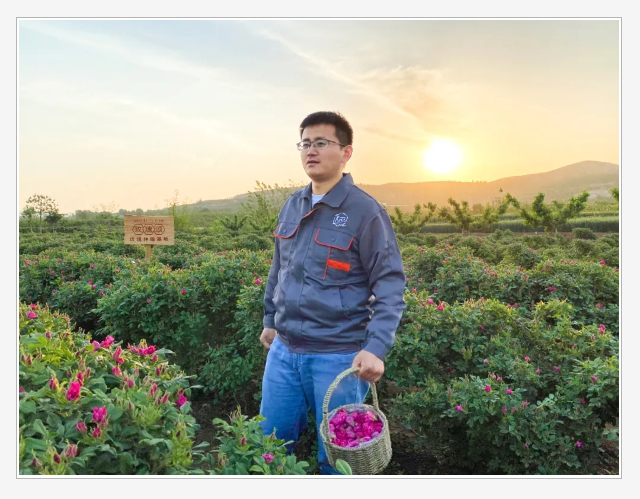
x: 148, y: 230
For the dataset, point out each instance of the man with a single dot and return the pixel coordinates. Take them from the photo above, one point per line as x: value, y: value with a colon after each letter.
x: 334, y: 248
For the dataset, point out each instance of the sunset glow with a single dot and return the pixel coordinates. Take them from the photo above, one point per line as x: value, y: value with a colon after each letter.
x: 443, y: 156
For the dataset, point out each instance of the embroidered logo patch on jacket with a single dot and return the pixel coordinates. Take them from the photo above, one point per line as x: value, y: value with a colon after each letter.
x: 340, y: 220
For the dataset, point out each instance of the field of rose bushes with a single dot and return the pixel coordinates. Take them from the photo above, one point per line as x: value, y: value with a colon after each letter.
x: 505, y: 362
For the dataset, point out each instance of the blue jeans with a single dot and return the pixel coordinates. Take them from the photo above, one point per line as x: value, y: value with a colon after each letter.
x: 294, y: 383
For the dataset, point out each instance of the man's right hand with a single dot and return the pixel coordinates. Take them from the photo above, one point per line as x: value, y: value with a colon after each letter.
x: 267, y: 337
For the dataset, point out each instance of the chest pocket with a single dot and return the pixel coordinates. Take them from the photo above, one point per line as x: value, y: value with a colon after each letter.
x: 332, y: 255
x: 285, y: 232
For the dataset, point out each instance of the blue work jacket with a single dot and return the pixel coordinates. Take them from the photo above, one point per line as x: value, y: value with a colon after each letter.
x: 327, y: 264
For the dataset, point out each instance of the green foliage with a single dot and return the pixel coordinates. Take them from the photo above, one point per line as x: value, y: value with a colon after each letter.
x: 550, y: 217
x: 234, y: 224
x: 584, y: 233
x: 563, y: 385
x: 244, y: 450
x: 143, y: 431
x: 615, y: 193
x: 264, y: 204
x: 461, y: 216
x: 180, y: 213
x: 414, y: 223
x: 41, y: 204
x: 535, y: 295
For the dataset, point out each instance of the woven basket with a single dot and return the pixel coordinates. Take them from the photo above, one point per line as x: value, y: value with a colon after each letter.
x: 369, y: 458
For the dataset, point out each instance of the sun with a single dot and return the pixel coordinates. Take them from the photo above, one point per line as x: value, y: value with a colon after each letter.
x: 443, y: 156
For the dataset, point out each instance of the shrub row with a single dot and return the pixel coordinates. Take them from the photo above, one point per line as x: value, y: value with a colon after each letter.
x: 504, y: 392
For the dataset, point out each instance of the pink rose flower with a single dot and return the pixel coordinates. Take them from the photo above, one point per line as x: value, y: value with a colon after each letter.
x: 579, y: 444
x: 487, y: 389
x: 71, y: 451
x: 73, y: 392
x: 81, y: 427
x: 509, y: 391
x: 99, y: 414
x: 459, y: 408
x: 31, y: 314
x: 268, y: 457
x: 184, y: 291
x: 181, y: 400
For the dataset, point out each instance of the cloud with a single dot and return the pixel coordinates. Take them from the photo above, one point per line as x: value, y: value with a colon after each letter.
x: 421, y: 94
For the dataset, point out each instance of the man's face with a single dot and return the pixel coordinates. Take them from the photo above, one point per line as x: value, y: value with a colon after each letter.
x: 323, y: 164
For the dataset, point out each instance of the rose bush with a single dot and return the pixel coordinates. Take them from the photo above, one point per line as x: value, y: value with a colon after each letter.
x: 95, y: 407
x: 512, y: 394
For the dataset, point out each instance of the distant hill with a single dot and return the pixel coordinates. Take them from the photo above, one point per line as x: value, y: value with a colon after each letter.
x: 594, y: 176
x: 562, y: 183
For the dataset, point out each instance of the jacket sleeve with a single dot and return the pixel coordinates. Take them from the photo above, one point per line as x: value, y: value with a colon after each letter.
x: 380, y: 255
x: 269, y: 308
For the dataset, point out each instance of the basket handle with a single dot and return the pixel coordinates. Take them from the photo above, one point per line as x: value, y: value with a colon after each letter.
x: 333, y: 386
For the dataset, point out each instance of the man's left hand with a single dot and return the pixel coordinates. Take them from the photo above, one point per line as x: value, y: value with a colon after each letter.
x: 371, y: 367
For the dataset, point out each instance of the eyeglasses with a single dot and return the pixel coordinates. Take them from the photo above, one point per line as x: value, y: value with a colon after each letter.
x: 305, y: 145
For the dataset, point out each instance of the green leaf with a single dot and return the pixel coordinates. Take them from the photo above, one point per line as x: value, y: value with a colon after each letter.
x: 35, y: 444
x: 343, y: 467
x: 114, y: 412
x: 38, y: 426
x: 257, y: 469
x: 27, y: 407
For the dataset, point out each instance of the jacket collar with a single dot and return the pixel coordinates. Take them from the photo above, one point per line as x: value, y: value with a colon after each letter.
x: 336, y: 195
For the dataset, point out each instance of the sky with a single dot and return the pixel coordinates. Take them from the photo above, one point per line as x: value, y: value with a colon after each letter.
x: 124, y: 113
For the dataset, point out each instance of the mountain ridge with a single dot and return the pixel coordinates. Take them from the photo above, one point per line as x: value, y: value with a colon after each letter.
x: 597, y: 177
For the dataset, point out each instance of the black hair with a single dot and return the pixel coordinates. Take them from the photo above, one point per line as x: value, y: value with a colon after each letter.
x: 344, y: 132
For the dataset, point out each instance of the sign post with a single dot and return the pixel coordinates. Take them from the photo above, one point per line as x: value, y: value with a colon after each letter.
x: 148, y: 231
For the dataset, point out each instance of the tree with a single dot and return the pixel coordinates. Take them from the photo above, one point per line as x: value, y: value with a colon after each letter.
x: 28, y: 215
x: 615, y: 192
x: 53, y: 217
x: 490, y: 214
x: 41, y: 205
x: 233, y: 225
x: 104, y: 211
x: 461, y: 216
x: 477, y: 209
x: 180, y: 213
x: 550, y: 217
x: 415, y: 222
x: 263, y: 205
